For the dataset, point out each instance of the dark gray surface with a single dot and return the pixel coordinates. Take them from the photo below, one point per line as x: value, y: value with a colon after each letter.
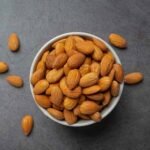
x: 36, y: 21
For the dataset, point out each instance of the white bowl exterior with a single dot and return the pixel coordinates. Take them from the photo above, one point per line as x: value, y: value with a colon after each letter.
x: 113, y: 102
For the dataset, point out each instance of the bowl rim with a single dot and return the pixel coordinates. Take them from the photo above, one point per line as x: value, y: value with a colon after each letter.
x: 113, y: 102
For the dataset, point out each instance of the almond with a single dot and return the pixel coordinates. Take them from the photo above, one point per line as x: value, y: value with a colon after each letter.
x: 56, y: 113
x: 100, y: 44
x: 107, y: 98
x: 72, y: 52
x: 70, y: 118
x: 67, y: 92
x: 117, y: 40
x: 36, y: 76
x: 119, y: 73
x: 13, y: 42
x: 3, y: 67
x: 133, y: 78
x: 91, y: 90
x: 96, y: 117
x: 48, y: 91
x: 27, y: 124
x: 56, y: 95
x: 88, y: 60
x: 104, y: 83
x: 43, y: 101
x: 89, y: 107
x: 66, y: 69
x: 112, y: 74
x: 15, y: 81
x: 70, y: 103
x: 78, y: 38
x: 97, y: 54
x: 85, y: 47
x: 54, y: 75
x: 40, y: 87
x: 41, y: 65
x: 49, y: 60
x: 60, y: 48
x: 59, y: 61
x: 95, y: 67
x: 60, y: 107
x: 44, y: 56
x: 59, y: 41
x: 106, y: 64
x: 96, y: 97
x: 73, y: 78
x: 84, y: 69
x: 69, y: 45
x: 115, y: 88
x: 89, y: 79
x: 76, y: 60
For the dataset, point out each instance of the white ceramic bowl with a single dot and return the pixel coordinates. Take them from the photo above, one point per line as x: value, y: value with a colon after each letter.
x: 80, y: 123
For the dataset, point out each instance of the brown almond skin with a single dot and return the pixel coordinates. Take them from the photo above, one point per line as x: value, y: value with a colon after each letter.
x: 53, y: 76
x: 84, y: 69
x: 70, y: 118
x: 66, y: 69
x: 15, y: 81
x: 106, y: 64
x: 91, y: 90
x: 75, y: 93
x: 133, y: 78
x: 3, y: 67
x: 27, y: 124
x: 100, y: 44
x: 69, y: 45
x: 60, y: 61
x: 40, y: 86
x: 60, y: 48
x: 104, y: 83
x: 70, y: 103
x: 13, y: 42
x: 89, y: 107
x: 88, y: 60
x: 95, y: 67
x: 37, y: 75
x: 96, y: 97
x: 115, y: 88
x: 107, y: 98
x: 89, y: 79
x: 43, y: 101
x: 76, y: 60
x: 41, y: 65
x: 119, y: 72
x: 73, y: 78
x: 56, y: 113
x: 85, y: 47
x: 49, y: 60
x: 96, y: 117
x: 117, y: 40
x: 97, y: 54
x: 56, y: 95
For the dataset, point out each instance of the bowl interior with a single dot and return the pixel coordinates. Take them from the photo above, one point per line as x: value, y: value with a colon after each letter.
x: 46, y: 46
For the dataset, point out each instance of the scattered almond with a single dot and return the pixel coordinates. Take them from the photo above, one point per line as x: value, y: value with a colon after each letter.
x: 13, y: 42
x: 3, y: 67
x: 133, y: 78
x: 15, y: 81
x: 117, y: 40
x: 27, y: 124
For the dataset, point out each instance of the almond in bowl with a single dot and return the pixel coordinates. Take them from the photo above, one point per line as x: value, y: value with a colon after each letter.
x: 76, y: 79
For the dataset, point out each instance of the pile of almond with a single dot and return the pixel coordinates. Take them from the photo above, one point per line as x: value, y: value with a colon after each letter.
x: 76, y: 79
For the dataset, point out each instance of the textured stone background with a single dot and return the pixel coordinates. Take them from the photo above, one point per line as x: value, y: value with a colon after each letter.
x: 37, y: 21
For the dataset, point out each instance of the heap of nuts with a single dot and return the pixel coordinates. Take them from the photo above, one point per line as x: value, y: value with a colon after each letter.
x: 76, y: 79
